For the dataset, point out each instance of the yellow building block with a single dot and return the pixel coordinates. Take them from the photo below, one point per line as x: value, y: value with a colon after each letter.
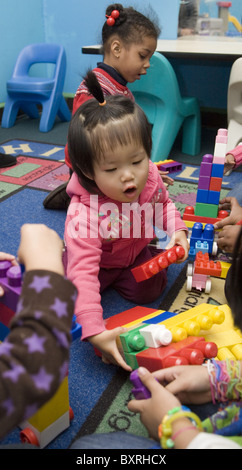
x: 191, y: 322
x: 225, y: 267
x: 57, y: 406
x: 227, y: 337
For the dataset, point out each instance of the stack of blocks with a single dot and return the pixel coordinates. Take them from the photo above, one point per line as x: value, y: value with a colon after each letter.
x: 209, y: 185
x: 210, y: 178
x: 145, y: 343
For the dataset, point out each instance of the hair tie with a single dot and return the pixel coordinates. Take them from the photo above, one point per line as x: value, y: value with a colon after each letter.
x: 103, y: 103
x: 111, y: 19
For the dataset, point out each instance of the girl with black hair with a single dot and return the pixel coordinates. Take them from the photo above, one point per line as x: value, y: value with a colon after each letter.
x: 129, y: 40
x: 115, y: 190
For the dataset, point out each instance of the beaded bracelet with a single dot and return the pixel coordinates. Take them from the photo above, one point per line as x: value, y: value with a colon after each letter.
x: 165, y: 428
x: 225, y: 380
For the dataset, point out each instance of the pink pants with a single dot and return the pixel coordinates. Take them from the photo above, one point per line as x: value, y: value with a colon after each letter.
x: 123, y: 281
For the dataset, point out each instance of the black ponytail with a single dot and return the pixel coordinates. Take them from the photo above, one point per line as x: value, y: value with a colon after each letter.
x: 94, y: 87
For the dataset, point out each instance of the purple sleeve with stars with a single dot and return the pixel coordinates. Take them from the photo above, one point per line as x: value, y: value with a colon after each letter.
x: 34, y: 356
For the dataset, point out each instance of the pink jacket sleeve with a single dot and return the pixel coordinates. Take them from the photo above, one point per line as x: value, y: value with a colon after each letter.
x: 83, y: 261
x: 237, y: 154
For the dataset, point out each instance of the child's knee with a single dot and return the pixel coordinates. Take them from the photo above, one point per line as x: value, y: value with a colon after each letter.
x: 149, y: 290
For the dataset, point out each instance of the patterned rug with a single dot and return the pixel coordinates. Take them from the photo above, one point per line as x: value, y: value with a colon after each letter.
x: 41, y: 166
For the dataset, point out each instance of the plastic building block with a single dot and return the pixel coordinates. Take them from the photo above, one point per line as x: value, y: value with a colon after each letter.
x: 132, y: 340
x: 139, y: 391
x: 129, y: 317
x: 206, y: 210
x: 217, y: 170
x: 199, y: 282
x: 206, y: 165
x: 213, y: 197
x: 225, y: 267
x: 192, y: 350
x: 203, y: 265
x: 189, y: 215
x: 227, y: 338
x: 52, y: 419
x: 215, y: 184
x: 209, y: 183
x: 169, y: 165
x: 11, y: 281
x: 204, y: 182
x: 158, y: 263
x: 203, y: 234
x: 156, y: 335
x: 202, y: 195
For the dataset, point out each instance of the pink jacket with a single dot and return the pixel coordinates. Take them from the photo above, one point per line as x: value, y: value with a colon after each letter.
x: 99, y: 232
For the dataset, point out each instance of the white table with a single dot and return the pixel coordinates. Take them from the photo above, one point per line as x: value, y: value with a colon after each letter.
x: 214, y: 47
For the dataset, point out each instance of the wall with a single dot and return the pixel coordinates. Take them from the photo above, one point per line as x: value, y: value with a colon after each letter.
x: 21, y: 22
x: 73, y: 23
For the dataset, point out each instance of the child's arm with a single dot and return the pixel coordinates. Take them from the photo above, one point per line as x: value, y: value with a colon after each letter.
x: 105, y: 342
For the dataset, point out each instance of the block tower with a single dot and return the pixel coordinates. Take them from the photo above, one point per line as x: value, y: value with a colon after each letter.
x: 209, y: 184
x: 210, y: 178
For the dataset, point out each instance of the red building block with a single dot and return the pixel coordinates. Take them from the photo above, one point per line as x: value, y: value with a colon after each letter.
x: 215, y: 184
x: 189, y: 215
x: 202, y: 265
x: 192, y: 350
x: 157, y: 263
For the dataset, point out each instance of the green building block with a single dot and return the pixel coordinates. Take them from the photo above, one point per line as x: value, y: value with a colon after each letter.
x: 132, y: 340
x: 206, y: 210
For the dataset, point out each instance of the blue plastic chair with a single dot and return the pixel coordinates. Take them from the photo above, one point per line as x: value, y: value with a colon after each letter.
x: 158, y: 95
x: 26, y: 91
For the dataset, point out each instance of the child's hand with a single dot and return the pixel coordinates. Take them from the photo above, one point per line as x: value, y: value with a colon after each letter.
x: 7, y: 257
x: 229, y: 163
x: 105, y: 342
x: 229, y: 203
x: 227, y: 237
x: 189, y: 383
x: 179, y: 238
x: 166, y: 179
x: 153, y: 410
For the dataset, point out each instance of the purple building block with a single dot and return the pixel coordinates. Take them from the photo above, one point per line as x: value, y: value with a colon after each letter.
x: 206, y: 165
x: 139, y: 391
x: 11, y: 281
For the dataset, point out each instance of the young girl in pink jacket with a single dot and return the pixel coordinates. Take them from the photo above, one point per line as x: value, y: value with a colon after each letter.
x: 117, y: 200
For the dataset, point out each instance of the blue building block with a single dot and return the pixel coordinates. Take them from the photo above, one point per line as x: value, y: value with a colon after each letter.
x: 159, y: 318
x: 203, y: 235
x: 213, y: 197
x: 217, y: 170
x: 202, y: 195
x: 201, y: 246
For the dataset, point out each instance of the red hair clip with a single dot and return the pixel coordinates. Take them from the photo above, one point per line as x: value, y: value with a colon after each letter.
x: 111, y: 19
